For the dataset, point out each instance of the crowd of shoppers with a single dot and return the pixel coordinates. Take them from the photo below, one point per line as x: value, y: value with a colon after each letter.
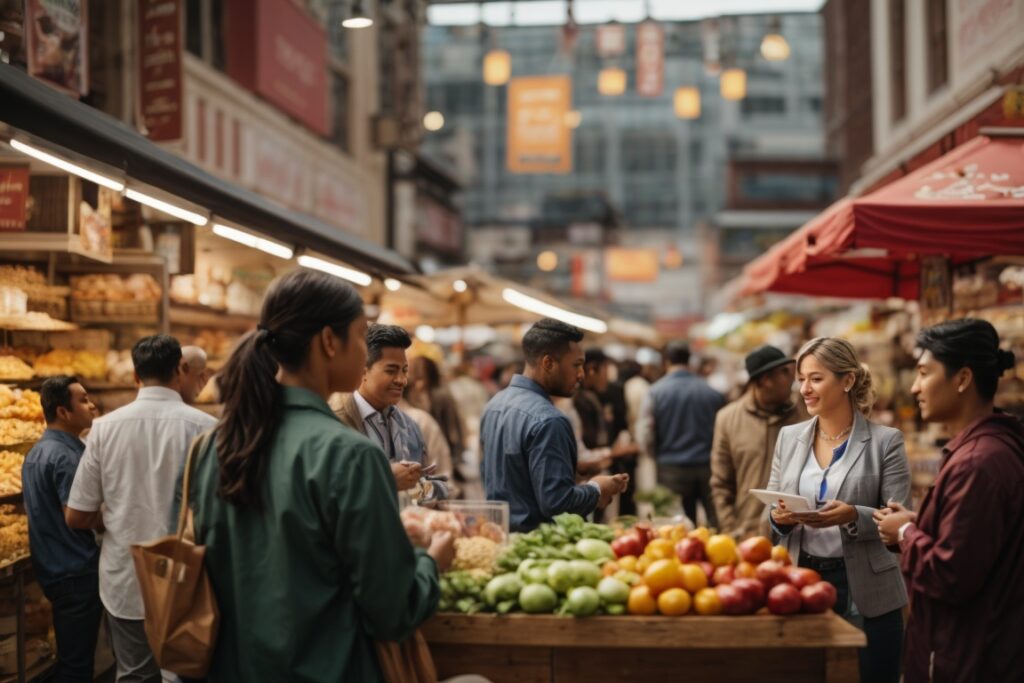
x: 326, y: 418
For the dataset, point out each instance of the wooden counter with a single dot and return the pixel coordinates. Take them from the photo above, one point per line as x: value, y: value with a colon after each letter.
x: 526, y: 649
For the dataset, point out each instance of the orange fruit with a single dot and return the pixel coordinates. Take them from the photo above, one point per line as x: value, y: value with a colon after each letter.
x: 721, y: 550
x: 693, y: 577
x: 780, y: 554
x: 662, y: 575
x: 642, y: 564
x: 746, y: 570
x: 627, y: 562
x: 706, y: 602
x: 665, y: 531
x: 674, y: 602
x: 678, y: 533
x: 702, y: 533
x: 660, y: 549
x: 641, y: 601
x: 609, y: 568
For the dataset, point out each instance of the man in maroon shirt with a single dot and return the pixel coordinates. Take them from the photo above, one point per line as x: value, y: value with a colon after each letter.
x: 963, y: 552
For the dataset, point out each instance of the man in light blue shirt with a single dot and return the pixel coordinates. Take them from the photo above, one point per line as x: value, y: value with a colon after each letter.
x: 529, y: 447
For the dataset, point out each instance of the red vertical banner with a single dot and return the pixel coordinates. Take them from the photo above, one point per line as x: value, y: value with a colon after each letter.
x: 57, y: 43
x: 160, y: 68
x: 13, y: 197
x: 650, y: 59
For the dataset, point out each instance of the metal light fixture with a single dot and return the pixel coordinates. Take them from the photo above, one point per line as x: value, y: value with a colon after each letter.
x: 252, y: 241
x: 359, y: 18
x: 166, y: 207
x: 64, y: 165
x: 687, y: 102
x: 733, y: 84
x: 337, y: 270
x: 497, y: 67
x: 543, y: 308
x: 611, y: 82
x: 774, y: 47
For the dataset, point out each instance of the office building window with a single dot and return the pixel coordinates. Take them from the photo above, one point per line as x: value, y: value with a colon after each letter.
x: 763, y: 106
x: 938, y: 45
x: 204, y: 26
x: 898, y: 57
x: 341, y: 124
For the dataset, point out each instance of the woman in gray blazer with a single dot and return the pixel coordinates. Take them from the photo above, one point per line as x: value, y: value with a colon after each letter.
x: 847, y: 467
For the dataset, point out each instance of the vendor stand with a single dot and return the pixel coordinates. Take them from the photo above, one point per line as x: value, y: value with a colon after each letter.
x: 820, y: 647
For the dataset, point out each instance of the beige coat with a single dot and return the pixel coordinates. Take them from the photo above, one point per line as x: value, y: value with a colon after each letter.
x: 741, y: 459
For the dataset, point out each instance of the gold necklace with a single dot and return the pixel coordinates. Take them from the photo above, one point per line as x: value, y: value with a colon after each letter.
x: 825, y: 437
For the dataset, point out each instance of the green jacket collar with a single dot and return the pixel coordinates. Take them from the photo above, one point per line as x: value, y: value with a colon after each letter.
x: 296, y: 397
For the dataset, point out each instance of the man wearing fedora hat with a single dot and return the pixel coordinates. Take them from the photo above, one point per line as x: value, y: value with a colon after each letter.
x: 744, y: 441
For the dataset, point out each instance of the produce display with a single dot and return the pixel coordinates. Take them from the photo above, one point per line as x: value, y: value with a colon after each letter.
x: 577, y: 568
x: 10, y: 472
x: 13, y: 535
x: 21, y: 415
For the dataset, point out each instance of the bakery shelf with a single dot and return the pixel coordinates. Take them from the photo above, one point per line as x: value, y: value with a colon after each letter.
x: 204, y: 316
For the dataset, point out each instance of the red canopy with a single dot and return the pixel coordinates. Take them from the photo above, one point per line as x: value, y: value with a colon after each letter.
x: 967, y: 204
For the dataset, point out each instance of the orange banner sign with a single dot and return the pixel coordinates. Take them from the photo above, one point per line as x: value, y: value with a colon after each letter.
x: 539, y: 140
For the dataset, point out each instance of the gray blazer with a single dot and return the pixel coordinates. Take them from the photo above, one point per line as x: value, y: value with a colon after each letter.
x: 877, y: 473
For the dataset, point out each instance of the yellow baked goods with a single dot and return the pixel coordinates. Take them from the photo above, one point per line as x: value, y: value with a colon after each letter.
x: 13, y: 535
x: 20, y: 404
x: 83, y: 364
x: 12, y: 368
x: 10, y: 472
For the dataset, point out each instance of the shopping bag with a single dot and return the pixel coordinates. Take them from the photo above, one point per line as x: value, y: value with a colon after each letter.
x: 408, y: 662
x: 181, y: 609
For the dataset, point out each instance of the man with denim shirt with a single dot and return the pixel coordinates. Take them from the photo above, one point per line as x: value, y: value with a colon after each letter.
x: 529, y: 448
x: 65, y: 560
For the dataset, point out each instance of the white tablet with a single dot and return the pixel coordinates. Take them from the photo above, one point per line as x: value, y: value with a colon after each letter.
x: 793, y: 503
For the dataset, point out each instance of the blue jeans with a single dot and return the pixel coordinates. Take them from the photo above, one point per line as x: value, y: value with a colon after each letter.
x: 76, y: 624
x: 880, y: 660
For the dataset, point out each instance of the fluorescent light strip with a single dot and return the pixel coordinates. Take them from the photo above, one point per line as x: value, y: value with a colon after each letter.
x: 63, y: 165
x: 528, y: 303
x: 253, y: 241
x: 169, y: 209
x: 350, y: 274
x: 392, y: 284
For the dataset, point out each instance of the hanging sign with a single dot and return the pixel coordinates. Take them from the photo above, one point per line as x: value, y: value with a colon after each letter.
x: 160, y: 68
x: 57, y: 43
x: 611, y: 40
x: 538, y: 139
x: 13, y: 197
x: 650, y: 59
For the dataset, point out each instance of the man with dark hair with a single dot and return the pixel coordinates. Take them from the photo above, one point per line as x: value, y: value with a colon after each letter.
x: 744, y: 442
x: 131, y: 461
x: 373, y: 410
x: 529, y: 448
x: 65, y: 560
x: 677, y: 424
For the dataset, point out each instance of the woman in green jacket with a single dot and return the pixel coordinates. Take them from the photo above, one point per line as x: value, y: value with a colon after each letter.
x: 305, y: 549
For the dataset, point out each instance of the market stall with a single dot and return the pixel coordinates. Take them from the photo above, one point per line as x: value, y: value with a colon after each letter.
x: 820, y: 648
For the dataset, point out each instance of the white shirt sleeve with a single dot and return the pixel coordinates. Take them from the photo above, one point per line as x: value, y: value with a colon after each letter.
x: 87, y: 489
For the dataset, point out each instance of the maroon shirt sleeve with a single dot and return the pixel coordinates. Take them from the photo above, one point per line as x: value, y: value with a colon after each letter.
x: 952, y: 565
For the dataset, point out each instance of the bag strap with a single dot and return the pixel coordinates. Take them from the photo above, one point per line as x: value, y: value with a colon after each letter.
x: 198, y: 446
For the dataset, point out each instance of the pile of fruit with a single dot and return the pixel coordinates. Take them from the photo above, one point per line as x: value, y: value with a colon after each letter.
x: 709, y: 574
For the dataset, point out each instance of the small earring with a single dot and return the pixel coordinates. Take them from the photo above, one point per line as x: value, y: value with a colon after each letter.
x: 847, y: 389
x: 960, y: 390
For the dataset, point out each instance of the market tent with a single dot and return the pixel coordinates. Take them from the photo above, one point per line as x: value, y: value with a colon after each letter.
x: 87, y: 135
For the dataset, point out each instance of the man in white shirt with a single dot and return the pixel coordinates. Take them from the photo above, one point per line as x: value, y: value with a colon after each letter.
x: 125, y: 483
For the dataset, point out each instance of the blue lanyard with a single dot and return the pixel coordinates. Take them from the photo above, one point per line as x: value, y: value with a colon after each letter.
x: 837, y: 453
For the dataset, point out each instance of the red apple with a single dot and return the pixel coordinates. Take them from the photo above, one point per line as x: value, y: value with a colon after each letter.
x: 784, y: 599
x: 645, y: 532
x: 756, y: 550
x: 690, y: 550
x: 627, y: 544
x: 771, y: 573
x: 818, y: 598
x: 802, y: 576
x: 709, y: 569
x: 754, y: 591
x: 745, y: 570
x: 724, y: 575
x: 734, y: 601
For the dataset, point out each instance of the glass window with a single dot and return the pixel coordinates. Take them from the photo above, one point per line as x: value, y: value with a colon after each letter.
x: 787, y: 187
x: 938, y: 47
x: 341, y: 125
x: 194, y: 27
x: 762, y: 105
x: 898, y: 55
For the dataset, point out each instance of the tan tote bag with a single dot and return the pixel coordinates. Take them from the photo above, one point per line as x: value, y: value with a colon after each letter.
x: 408, y: 662
x: 181, y: 609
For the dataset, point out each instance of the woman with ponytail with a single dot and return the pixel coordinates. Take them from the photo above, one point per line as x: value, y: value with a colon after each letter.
x: 304, y: 546
x: 847, y: 467
x: 963, y: 552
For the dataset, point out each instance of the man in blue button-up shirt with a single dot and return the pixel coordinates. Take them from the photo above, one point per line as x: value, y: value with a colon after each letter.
x: 65, y: 560
x: 528, y: 444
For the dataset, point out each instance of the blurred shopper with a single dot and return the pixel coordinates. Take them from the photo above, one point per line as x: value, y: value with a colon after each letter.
x: 963, y: 552
x: 677, y: 425
x: 530, y: 453
x: 298, y: 513
x: 65, y: 561
x: 131, y: 460
x: 372, y: 410
x: 849, y: 467
x: 428, y: 393
x: 194, y: 373
x: 745, y: 435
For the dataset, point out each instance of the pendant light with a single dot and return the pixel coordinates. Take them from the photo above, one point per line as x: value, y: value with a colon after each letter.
x: 359, y: 18
x: 687, y: 102
x: 733, y: 84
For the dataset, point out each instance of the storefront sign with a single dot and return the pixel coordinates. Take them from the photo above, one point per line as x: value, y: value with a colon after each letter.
x: 57, y: 43
x: 650, y: 59
x: 160, y: 68
x: 437, y: 226
x: 538, y: 139
x: 13, y: 197
x: 631, y: 265
x: 337, y: 200
x: 611, y: 40
x: 277, y: 50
